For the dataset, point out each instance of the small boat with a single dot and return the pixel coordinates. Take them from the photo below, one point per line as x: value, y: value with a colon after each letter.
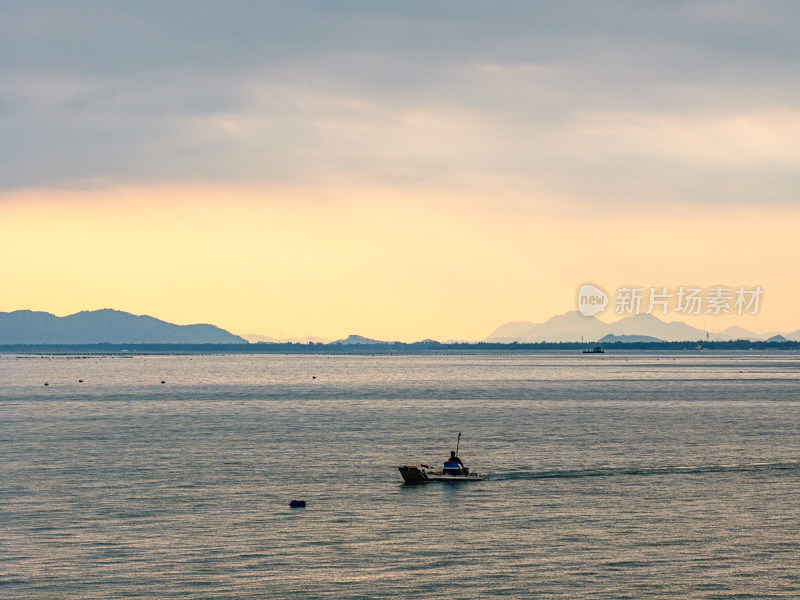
x: 595, y: 350
x: 452, y: 471
x: 424, y: 474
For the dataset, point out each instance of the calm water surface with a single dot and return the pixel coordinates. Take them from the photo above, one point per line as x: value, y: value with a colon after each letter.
x: 613, y: 476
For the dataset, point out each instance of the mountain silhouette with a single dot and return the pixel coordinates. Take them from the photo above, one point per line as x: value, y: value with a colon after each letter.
x: 569, y: 327
x: 736, y: 333
x: 572, y: 326
x: 104, y: 326
x: 358, y: 339
x: 652, y: 326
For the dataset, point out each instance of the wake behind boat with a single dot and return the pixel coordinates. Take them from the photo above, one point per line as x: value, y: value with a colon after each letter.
x: 453, y: 471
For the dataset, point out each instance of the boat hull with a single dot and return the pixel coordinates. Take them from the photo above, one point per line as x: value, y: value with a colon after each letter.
x: 456, y: 478
x: 414, y: 474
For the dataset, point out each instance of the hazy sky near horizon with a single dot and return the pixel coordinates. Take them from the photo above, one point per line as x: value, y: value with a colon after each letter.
x: 397, y: 170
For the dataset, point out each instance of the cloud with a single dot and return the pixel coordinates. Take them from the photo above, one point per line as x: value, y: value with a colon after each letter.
x: 597, y: 100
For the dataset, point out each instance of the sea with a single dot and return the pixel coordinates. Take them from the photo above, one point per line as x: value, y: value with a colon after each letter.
x: 622, y: 475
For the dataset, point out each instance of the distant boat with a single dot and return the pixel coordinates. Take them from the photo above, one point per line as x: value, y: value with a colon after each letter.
x: 595, y: 350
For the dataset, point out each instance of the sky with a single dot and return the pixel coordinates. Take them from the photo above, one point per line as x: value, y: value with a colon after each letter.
x: 401, y: 171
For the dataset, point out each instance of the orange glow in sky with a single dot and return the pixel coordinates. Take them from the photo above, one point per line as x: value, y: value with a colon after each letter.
x: 330, y: 261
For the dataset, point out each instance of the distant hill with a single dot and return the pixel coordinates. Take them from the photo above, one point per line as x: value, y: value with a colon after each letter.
x: 255, y: 338
x: 104, y: 326
x: 777, y: 338
x: 650, y: 325
x: 569, y: 327
x: 628, y: 339
x: 736, y: 333
x: 575, y: 327
x: 511, y: 331
x: 357, y: 339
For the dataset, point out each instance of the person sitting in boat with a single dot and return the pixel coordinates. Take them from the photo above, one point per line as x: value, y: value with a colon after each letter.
x: 454, y: 458
x: 454, y: 466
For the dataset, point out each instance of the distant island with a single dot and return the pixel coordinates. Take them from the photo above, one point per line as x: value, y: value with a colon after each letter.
x: 572, y: 326
x: 114, y: 331
x: 104, y: 327
x: 392, y: 348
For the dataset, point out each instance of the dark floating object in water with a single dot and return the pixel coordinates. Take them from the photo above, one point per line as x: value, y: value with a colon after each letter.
x: 297, y: 504
x: 80, y: 380
x: 313, y: 377
x: 162, y: 381
x: 46, y: 383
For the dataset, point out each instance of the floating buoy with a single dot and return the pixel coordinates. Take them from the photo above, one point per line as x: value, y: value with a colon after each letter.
x: 297, y: 504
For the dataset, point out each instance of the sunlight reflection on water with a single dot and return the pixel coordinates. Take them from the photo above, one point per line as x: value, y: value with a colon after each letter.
x: 655, y: 476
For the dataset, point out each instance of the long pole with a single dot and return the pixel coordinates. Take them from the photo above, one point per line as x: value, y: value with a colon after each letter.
x: 458, y: 441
